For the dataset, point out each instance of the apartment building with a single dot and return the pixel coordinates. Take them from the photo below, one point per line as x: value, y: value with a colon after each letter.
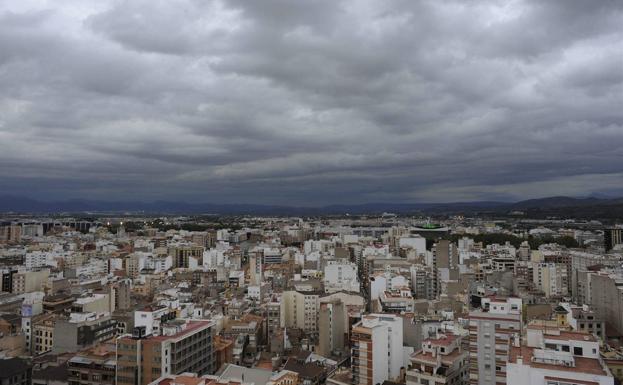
x: 120, y: 294
x: 341, y: 275
x: 397, y: 301
x: 562, y: 258
x: 376, y: 349
x: 416, y: 242
x: 38, y: 259
x: 490, y: 331
x: 43, y: 333
x: 353, y: 304
x: 273, y: 319
x: 272, y: 256
x: 299, y: 309
x: 440, y: 360
x: 29, y: 281
x: 82, y: 330
x: 551, y: 278
x: 582, y: 265
x: 613, y: 237
x: 422, y: 282
x: 256, y: 266
x: 606, y: 298
x: 204, y: 239
x: 583, y: 319
x: 223, y: 351
x: 251, y: 327
x: 151, y: 317
x: 445, y: 256
x: 183, y: 253
x: 184, y: 346
x: 556, y: 357
x: 15, y: 371
x: 93, y: 303
x: 132, y: 264
x: 13, y: 340
x: 10, y: 233
x: 7, y: 279
x: 331, y: 327
x: 58, y: 303
x: 93, y: 366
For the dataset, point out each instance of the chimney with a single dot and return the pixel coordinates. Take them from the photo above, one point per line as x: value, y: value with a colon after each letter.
x: 438, y: 362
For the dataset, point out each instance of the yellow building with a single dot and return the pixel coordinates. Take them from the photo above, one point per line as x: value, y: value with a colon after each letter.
x: 43, y: 334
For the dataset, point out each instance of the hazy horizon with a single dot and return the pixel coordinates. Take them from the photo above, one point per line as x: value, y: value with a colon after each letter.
x: 310, y: 206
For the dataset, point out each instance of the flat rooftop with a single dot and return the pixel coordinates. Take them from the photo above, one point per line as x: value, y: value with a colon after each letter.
x: 582, y: 364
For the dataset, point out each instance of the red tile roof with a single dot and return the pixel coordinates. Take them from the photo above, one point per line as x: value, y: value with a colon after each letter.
x: 442, y: 341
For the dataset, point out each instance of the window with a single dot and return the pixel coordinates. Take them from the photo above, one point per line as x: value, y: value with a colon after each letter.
x: 577, y: 351
x: 565, y: 348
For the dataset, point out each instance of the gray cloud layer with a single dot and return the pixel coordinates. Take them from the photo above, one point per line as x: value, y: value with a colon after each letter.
x: 311, y: 102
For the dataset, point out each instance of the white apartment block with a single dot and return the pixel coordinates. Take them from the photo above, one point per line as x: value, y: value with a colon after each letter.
x: 152, y: 318
x: 322, y: 246
x: 551, y: 279
x: 555, y: 357
x: 340, y: 275
x: 382, y: 281
x: 377, y: 351
x: 418, y: 243
x: 491, y: 329
x: 37, y: 259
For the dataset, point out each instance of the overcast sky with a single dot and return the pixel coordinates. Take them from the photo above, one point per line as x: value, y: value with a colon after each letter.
x: 311, y: 102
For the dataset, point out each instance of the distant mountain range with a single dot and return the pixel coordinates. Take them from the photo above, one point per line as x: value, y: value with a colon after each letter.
x: 610, y: 207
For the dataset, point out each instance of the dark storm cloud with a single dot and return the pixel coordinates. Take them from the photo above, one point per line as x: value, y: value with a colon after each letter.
x: 311, y: 102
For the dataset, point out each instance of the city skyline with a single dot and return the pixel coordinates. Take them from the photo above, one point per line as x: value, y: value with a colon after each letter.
x: 326, y: 192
